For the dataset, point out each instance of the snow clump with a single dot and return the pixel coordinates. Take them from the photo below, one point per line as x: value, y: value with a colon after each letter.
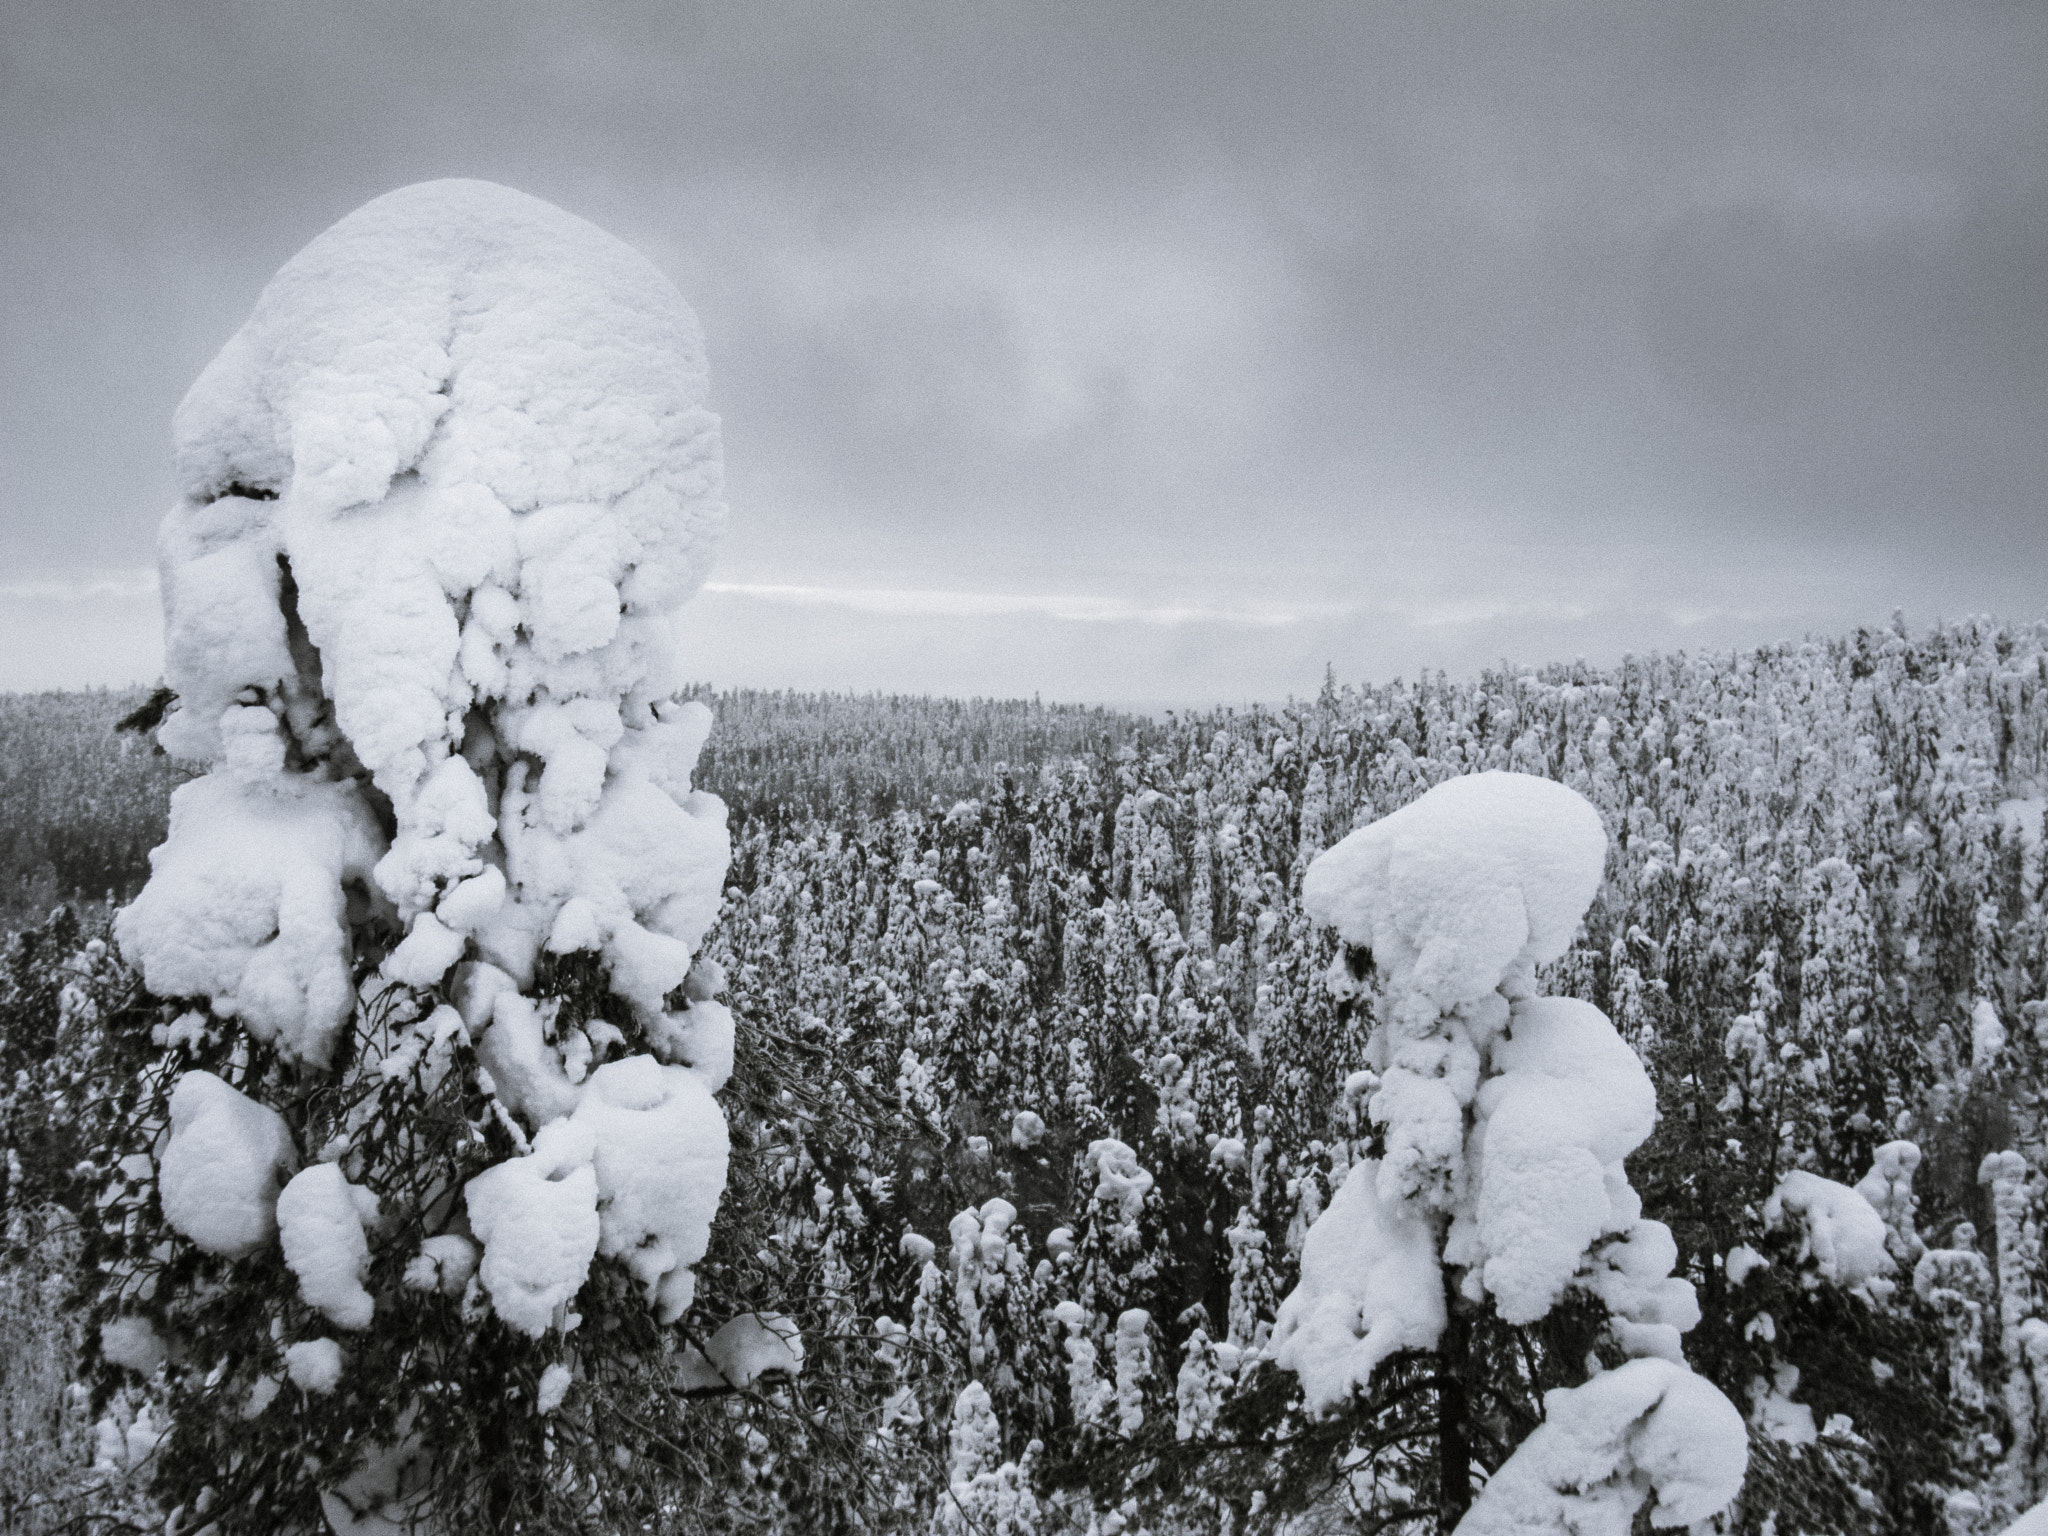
x: 441, y: 492
x: 537, y: 1219
x: 1479, y: 876
x: 314, y: 1365
x: 1570, y: 1101
x: 658, y: 1150
x: 223, y: 1167
x: 554, y: 1387
x: 247, y: 904
x: 1371, y: 1286
x: 1839, y: 1233
x: 133, y: 1342
x: 756, y: 1344
x: 743, y: 1351
x: 321, y: 1217
x: 1889, y: 1189
x: 1648, y: 1427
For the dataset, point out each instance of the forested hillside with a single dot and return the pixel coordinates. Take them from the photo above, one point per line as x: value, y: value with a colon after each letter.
x: 1057, y: 1086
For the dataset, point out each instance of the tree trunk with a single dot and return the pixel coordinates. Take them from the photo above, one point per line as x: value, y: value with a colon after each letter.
x: 1454, y: 1447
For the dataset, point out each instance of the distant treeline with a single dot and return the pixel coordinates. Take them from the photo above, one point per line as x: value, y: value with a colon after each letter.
x: 82, y: 803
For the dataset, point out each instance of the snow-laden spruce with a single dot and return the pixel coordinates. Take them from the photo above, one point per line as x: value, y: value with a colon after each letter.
x: 1505, y: 1119
x: 441, y: 495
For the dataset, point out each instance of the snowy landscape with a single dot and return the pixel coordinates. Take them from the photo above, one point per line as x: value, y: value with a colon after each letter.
x: 463, y: 1071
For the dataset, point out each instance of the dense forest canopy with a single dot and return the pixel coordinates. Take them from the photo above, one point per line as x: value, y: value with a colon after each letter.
x: 1047, y: 1046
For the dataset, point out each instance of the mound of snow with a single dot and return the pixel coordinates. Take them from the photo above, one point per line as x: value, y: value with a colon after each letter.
x: 247, y: 905
x: 1570, y: 1102
x: 536, y: 1217
x: 1649, y: 1427
x: 1478, y: 877
x: 756, y: 1344
x: 314, y: 1365
x: 133, y: 1342
x: 457, y: 459
x: 1371, y: 1286
x: 1840, y: 1234
x: 320, y: 1217
x: 223, y: 1167
x: 659, y: 1154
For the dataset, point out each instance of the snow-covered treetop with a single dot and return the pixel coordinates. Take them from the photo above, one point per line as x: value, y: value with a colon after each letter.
x: 521, y: 398
x: 472, y: 335
x: 441, y: 491
x: 1454, y: 891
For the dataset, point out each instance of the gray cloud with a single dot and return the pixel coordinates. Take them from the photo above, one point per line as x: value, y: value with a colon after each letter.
x: 1513, y: 312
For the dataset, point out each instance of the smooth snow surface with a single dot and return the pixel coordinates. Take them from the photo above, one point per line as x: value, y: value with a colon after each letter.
x: 320, y: 1217
x: 1647, y: 1428
x: 1570, y: 1101
x: 221, y: 1172
x: 753, y: 1345
x: 133, y: 1342
x: 247, y: 903
x: 1840, y: 1234
x: 1454, y: 890
x: 2033, y: 1523
x: 1371, y: 1286
x: 314, y: 1365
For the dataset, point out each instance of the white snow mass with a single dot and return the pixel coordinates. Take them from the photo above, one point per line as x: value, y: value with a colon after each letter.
x: 441, y: 491
x: 1371, y: 1286
x: 223, y: 1167
x: 321, y: 1217
x: 1570, y: 1101
x: 247, y: 903
x: 1453, y: 890
x: 1648, y: 1428
x: 537, y: 1219
x: 1841, y: 1235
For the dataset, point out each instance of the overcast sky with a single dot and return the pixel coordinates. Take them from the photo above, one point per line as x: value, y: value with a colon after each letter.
x: 1155, y: 353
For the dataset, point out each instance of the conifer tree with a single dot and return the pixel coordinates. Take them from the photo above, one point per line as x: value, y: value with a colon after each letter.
x: 418, y: 1153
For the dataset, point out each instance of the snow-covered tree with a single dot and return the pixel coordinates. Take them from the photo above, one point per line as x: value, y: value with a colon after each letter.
x: 428, y: 1148
x: 1502, y: 1122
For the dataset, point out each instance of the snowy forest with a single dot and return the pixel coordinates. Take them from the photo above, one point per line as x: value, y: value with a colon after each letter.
x: 1051, y: 1046
x: 457, y: 1075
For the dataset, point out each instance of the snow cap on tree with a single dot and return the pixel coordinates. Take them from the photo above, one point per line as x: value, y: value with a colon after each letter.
x: 1455, y: 889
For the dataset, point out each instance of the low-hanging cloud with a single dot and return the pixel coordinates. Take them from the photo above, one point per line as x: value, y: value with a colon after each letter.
x: 1510, y: 326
